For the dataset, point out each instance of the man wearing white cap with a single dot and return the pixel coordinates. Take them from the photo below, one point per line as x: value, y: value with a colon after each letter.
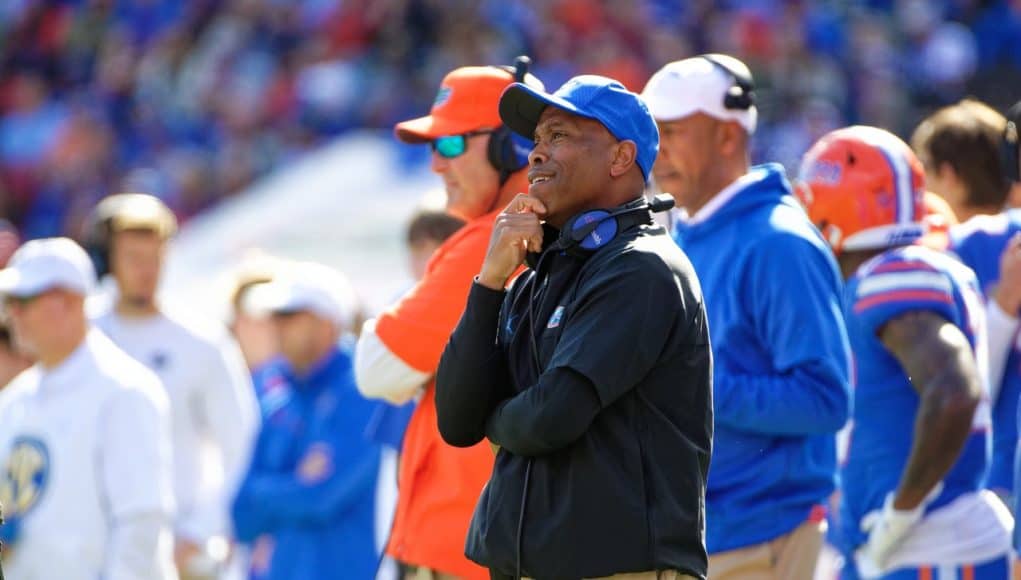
x: 308, y: 502
x: 772, y: 294
x: 214, y: 416
x: 85, y: 460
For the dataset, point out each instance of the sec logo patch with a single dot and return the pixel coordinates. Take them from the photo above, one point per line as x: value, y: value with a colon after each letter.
x: 24, y: 476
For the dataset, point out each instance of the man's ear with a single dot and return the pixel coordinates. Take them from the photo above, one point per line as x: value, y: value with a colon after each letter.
x: 625, y: 155
x: 731, y: 137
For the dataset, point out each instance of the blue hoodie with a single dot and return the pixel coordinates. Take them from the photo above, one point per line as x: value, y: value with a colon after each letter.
x: 308, y: 498
x: 781, y: 360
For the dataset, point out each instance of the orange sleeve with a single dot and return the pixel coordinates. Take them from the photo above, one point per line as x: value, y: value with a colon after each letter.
x: 417, y: 328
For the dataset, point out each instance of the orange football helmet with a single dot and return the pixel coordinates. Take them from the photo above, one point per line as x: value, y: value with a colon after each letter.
x: 864, y: 188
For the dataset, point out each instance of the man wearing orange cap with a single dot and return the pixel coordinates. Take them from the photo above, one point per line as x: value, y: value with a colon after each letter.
x: 482, y: 165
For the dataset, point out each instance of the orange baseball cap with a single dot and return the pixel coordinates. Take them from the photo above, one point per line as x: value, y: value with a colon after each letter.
x: 468, y: 100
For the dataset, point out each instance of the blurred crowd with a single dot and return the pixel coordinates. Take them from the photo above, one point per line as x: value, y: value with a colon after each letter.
x: 193, y: 100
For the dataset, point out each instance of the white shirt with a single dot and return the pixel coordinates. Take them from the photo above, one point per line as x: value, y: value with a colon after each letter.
x: 214, y: 414
x: 720, y: 199
x: 381, y: 374
x: 85, y: 459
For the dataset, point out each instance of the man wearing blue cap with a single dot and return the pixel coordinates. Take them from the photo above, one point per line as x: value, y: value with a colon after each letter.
x: 592, y: 372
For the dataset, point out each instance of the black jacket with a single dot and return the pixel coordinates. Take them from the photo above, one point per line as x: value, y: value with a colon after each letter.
x: 594, y: 376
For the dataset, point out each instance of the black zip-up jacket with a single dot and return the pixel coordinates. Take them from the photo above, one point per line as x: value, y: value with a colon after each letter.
x: 594, y: 376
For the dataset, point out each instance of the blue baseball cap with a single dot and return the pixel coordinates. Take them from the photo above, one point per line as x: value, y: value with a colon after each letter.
x: 603, y: 99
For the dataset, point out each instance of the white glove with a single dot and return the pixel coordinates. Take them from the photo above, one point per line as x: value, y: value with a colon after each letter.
x: 887, y: 528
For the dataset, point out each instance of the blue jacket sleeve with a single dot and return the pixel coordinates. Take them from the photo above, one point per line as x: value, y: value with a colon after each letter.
x: 292, y: 500
x: 249, y: 520
x: 339, y: 471
x: 9, y: 530
x: 791, y: 289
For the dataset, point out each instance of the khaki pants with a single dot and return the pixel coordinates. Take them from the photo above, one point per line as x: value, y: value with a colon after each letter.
x: 420, y: 573
x: 791, y: 556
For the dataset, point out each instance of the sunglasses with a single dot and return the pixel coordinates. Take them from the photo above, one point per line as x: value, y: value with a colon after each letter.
x: 452, y: 146
x: 11, y: 301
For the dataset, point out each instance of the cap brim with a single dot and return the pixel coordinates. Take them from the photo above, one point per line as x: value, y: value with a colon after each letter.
x: 663, y: 108
x: 428, y: 128
x: 146, y: 222
x: 9, y: 279
x: 269, y: 298
x: 521, y: 106
x: 12, y: 283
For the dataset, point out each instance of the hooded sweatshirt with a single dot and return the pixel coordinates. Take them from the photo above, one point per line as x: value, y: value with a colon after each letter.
x: 781, y: 355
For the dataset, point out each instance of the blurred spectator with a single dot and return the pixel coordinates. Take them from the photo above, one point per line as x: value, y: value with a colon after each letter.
x: 254, y: 333
x: 308, y: 500
x: 85, y: 407
x: 960, y: 147
x: 210, y: 96
x: 212, y: 404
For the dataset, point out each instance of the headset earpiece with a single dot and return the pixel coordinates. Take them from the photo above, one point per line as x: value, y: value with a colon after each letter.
x: 741, y: 95
x: 97, y: 243
x: 587, y: 232
x: 508, y: 152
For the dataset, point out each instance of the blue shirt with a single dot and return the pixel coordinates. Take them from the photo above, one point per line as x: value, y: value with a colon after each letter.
x: 901, y: 280
x: 311, y: 486
x: 781, y: 361
x: 979, y: 243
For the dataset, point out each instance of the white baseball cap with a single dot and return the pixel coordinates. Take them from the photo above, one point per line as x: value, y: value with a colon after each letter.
x: 694, y: 85
x: 40, y: 265
x: 305, y: 286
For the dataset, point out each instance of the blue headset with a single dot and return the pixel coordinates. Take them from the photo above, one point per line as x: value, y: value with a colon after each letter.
x: 508, y: 152
x: 591, y: 230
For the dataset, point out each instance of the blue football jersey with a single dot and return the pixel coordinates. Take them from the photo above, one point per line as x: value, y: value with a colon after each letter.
x: 979, y: 243
x: 885, y: 404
